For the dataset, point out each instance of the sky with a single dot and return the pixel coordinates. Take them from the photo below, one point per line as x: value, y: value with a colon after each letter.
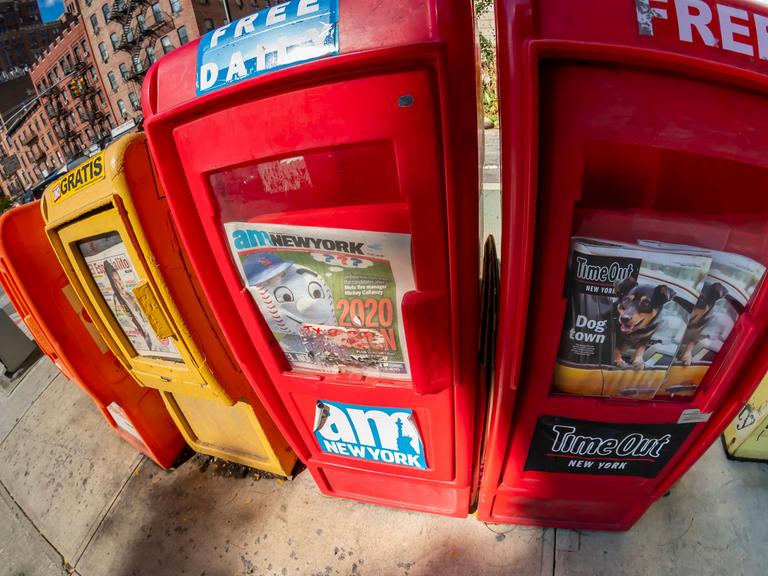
x: 50, y: 9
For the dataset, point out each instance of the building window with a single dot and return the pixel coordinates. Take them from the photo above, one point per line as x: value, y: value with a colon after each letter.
x: 92, y: 73
x: 81, y: 113
x: 105, y: 12
x: 166, y: 44
x: 208, y: 24
x: 239, y: 3
x: 114, y: 39
x: 123, y: 72
x: 157, y: 12
x: 175, y: 7
x: 123, y: 109
x: 151, y: 55
x: 100, y: 97
x: 95, y: 23
x: 183, y: 37
x: 112, y: 79
x: 84, y: 46
x: 78, y: 57
x: 103, y: 52
x: 70, y: 63
x: 141, y: 21
x: 134, y: 101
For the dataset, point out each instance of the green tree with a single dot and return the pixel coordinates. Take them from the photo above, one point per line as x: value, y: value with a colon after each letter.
x: 487, y: 66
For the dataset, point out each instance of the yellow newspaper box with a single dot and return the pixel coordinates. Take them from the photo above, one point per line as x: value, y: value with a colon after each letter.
x: 746, y: 438
x: 110, y: 227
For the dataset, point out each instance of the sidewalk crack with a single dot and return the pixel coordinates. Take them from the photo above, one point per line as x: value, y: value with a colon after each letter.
x: 554, y: 552
x: 65, y: 566
x: 107, y: 511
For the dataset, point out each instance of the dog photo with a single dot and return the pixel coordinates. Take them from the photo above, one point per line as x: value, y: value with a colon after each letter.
x: 727, y: 290
x: 628, y: 308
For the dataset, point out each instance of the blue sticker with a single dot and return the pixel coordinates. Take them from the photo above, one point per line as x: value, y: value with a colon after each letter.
x: 386, y: 435
x: 268, y: 40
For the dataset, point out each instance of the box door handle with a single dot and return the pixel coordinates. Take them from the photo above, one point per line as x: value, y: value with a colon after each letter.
x: 148, y: 303
x: 427, y: 322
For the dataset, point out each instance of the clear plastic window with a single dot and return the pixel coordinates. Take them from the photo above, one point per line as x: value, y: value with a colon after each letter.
x: 115, y: 276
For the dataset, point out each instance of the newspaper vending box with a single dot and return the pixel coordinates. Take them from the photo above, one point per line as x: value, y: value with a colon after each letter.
x: 333, y: 226
x: 632, y: 323
x: 746, y: 438
x: 109, y: 225
x: 39, y: 290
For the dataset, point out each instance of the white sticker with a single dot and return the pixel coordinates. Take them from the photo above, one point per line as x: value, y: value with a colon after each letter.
x: 122, y: 421
x: 693, y: 415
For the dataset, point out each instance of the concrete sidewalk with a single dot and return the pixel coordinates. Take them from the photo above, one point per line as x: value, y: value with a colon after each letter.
x: 74, y: 498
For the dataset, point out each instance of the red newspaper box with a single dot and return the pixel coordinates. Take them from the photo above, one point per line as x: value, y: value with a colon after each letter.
x: 39, y: 290
x: 330, y: 209
x: 639, y: 122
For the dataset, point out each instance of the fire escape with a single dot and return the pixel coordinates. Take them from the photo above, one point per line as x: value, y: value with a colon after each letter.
x: 92, y: 113
x: 141, y: 27
x: 62, y: 114
x: 60, y: 118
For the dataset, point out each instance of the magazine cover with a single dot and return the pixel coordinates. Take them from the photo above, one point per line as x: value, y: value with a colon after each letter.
x: 731, y: 281
x: 627, y: 311
x: 331, y: 297
x: 112, y: 270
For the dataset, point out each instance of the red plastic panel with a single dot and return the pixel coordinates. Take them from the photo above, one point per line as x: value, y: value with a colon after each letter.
x: 380, y: 138
x: 612, y: 137
x: 38, y: 288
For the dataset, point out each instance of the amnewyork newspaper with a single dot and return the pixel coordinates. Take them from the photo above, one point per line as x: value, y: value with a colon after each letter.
x: 331, y: 297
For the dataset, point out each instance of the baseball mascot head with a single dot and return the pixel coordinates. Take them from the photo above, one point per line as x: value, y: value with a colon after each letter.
x: 289, y: 295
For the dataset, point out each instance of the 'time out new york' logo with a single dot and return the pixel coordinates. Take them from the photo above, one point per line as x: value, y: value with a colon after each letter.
x: 714, y: 25
x: 635, y: 445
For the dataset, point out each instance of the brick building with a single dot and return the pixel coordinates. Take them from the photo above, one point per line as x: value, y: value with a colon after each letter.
x: 69, y: 114
x: 128, y: 36
x: 23, y: 36
x: 29, y: 152
x: 72, y: 92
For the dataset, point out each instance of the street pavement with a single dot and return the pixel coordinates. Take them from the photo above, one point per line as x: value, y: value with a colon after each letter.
x: 76, y: 499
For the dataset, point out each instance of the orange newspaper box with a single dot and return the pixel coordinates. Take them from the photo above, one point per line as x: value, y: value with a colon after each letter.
x: 39, y: 290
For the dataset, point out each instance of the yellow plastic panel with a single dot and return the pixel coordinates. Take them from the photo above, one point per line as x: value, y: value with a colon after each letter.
x: 746, y: 437
x: 755, y: 447
x: 149, y: 304
x: 233, y: 433
x: 91, y: 220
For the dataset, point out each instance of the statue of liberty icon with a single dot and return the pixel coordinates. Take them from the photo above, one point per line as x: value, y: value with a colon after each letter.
x: 404, y: 443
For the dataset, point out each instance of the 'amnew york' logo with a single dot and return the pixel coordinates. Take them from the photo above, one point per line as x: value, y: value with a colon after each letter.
x: 375, y: 433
